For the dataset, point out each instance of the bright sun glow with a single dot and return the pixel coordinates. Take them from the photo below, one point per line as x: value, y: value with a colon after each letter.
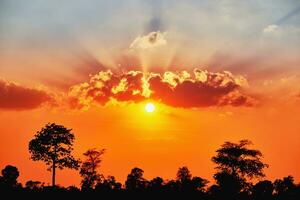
x: 149, y: 107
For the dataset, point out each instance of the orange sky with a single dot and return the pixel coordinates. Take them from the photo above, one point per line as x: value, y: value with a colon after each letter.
x: 157, y: 142
x: 216, y: 72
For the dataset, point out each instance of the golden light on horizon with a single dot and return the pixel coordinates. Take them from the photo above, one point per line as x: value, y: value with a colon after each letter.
x: 150, y: 107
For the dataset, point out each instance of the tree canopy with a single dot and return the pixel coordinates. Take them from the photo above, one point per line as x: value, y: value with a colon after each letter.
x: 238, y: 159
x: 53, y: 144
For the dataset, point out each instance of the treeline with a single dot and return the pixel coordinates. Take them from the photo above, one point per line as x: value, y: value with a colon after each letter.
x: 226, y: 187
x: 239, y: 174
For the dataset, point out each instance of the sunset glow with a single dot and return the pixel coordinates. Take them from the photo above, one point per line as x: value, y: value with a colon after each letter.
x: 158, y: 84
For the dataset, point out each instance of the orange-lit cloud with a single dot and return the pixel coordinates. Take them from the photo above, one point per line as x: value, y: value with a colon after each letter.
x: 17, y: 97
x: 178, y: 89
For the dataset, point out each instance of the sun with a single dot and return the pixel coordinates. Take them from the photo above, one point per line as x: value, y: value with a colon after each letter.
x: 149, y: 107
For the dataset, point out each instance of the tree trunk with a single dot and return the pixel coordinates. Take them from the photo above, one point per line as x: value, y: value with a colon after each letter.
x: 53, y: 174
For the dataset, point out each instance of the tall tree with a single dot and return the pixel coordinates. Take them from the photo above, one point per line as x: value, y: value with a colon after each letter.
x: 53, y: 144
x: 236, y: 163
x: 89, y: 167
x: 238, y: 159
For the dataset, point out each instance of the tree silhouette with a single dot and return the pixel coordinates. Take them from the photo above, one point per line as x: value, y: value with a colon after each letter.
x: 228, y: 185
x: 183, y: 174
x: 236, y: 166
x: 156, y: 183
x: 73, y: 189
x: 108, y: 184
x: 237, y: 159
x: 236, y: 163
x: 263, y: 190
x: 9, y: 177
x: 198, y: 183
x: 186, y: 182
x: 135, y: 180
x: 285, y: 188
x: 89, y: 167
x: 183, y: 179
x: 34, y: 185
x: 172, y: 185
x: 53, y: 144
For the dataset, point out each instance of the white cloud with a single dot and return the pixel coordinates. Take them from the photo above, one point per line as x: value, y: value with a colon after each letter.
x: 271, y: 28
x: 150, y: 41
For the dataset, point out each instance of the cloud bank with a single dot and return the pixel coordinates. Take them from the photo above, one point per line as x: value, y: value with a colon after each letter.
x: 17, y: 97
x: 183, y: 89
x: 199, y: 88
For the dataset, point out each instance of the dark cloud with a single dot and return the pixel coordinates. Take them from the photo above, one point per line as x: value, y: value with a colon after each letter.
x: 16, y: 97
x: 191, y: 93
x: 177, y: 89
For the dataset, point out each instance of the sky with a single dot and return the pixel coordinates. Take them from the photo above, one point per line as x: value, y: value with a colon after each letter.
x: 216, y: 71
